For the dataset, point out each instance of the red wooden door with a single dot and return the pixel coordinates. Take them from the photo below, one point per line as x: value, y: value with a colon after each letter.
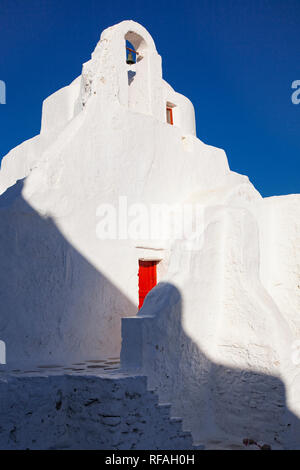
x: 147, y: 279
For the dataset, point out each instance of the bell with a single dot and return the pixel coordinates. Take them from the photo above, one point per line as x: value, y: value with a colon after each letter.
x: 130, y: 59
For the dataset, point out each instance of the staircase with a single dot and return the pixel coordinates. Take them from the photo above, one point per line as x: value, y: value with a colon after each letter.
x: 111, y: 410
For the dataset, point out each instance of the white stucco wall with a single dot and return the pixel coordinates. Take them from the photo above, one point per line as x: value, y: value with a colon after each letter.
x: 60, y: 108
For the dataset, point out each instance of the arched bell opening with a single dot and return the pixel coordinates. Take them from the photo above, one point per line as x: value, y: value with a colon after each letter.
x: 137, y: 72
x: 135, y: 48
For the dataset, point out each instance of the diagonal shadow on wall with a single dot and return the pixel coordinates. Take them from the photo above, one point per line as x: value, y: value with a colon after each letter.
x: 55, y: 307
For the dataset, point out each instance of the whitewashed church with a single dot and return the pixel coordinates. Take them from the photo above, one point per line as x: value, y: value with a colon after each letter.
x: 142, y: 342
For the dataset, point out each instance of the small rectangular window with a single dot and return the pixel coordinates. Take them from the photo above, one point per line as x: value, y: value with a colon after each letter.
x: 170, y: 115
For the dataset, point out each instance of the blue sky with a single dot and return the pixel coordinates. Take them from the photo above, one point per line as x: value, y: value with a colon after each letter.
x: 235, y: 59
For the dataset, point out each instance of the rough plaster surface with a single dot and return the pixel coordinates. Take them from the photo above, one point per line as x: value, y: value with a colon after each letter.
x: 215, y: 337
x: 86, y: 412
